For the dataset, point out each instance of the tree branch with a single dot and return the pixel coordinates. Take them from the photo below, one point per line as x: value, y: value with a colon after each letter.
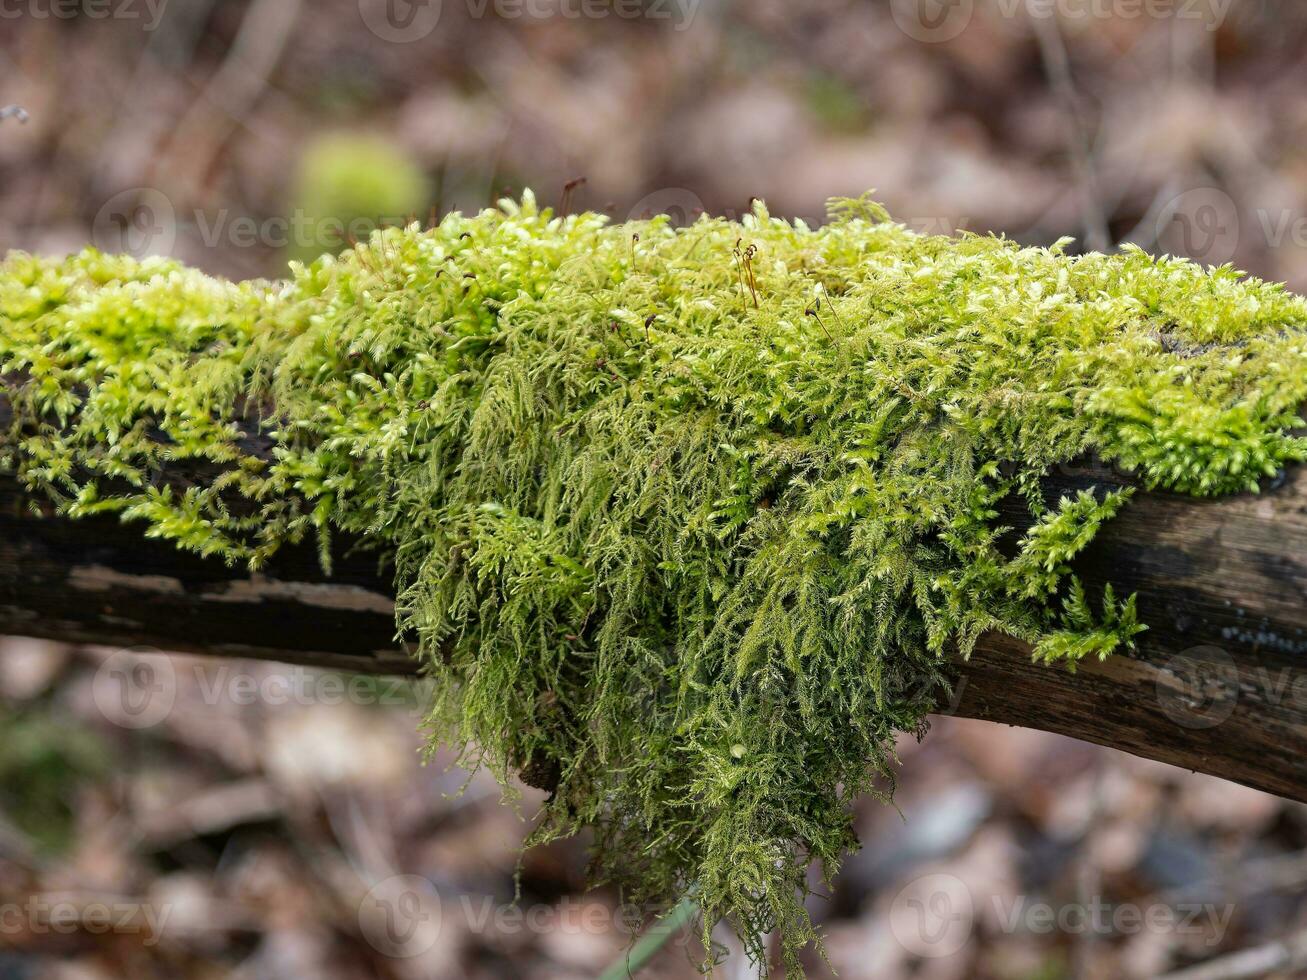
x: 1217, y: 684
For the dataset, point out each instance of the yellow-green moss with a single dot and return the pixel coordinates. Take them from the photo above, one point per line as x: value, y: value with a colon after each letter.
x: 685, y: 519
x: 349, y: 184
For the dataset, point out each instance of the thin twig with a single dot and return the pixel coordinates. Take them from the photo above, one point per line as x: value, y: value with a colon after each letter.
x: 236, y: 86
x: 1284, y: 957
x: 1159, y: 213
x: 653, y: 941
x: 1057, y: 64
x: 1089, y: 880
x: 1270, y: 874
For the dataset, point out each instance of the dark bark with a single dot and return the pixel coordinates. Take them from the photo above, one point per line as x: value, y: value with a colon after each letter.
x: 97, y: 580
x: 1217, y: 685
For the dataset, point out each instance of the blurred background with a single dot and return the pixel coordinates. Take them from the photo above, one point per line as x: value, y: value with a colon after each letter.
x: 165, y: 817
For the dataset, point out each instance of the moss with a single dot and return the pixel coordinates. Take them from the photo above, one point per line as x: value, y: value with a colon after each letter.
x: 348, y: 184
x: 835, y: 104
x: 45, y: 763
x: 686, y: 520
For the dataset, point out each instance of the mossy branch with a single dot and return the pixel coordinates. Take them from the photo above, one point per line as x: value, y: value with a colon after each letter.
x: 689, y: 521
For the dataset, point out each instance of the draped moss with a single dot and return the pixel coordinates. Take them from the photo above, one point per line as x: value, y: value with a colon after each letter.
x: 684, y: 522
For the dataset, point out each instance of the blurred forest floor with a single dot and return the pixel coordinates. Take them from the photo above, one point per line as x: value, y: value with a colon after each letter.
x: 229, y: 133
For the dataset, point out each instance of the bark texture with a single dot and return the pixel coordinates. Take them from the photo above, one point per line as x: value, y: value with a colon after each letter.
x: 1218, y: 684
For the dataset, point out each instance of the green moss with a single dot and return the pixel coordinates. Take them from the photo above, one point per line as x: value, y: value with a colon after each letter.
x: 45, y: 763
x: 686, y: 519
x: 834, y: 103
x: 350, y: 183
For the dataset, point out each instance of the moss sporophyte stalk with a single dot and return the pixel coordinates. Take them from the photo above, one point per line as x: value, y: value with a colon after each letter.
x: 684, y: 522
